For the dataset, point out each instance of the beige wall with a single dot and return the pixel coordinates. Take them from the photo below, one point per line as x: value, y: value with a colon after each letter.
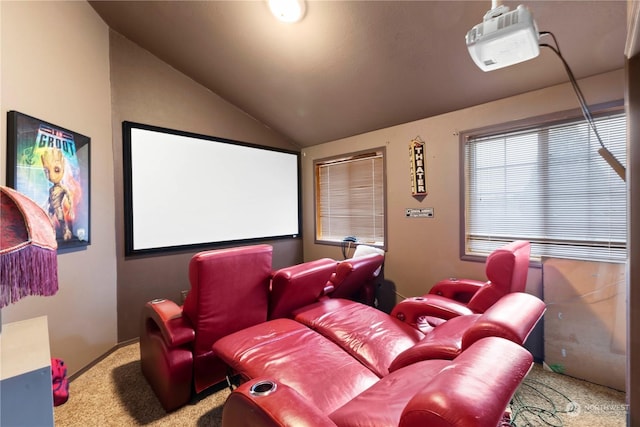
x: 55, y: 66
x: 422, y: 251
x: 147, y: 90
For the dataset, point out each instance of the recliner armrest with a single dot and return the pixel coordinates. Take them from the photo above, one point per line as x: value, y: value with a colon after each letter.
x: 416, y: 310
x: 167, y: 316
x: 474, y: 390
x: 458, y: 289
x: 283, y: 406
x: 512, y: 317
x: 442, y: 342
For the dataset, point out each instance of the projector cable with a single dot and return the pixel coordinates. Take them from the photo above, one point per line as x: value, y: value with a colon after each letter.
x: 603, y: 151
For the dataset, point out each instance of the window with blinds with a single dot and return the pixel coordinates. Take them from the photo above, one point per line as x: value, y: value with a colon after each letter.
x: 547, y: 184
x: 350, y: 198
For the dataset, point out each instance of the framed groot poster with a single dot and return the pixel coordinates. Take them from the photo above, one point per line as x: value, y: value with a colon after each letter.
x: 51, y: 165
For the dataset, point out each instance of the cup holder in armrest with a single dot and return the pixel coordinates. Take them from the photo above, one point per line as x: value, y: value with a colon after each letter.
x: 263, y: 388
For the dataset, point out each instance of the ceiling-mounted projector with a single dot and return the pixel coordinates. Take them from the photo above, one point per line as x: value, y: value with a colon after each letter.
x: 503, y: 38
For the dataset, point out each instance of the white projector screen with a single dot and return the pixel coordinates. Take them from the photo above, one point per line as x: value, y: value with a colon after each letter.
x: 187, y: 190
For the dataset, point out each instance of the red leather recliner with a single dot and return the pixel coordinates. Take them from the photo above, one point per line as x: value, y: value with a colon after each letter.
x: 229, y: 292
x: 297, y: 377
x: 506, y: 269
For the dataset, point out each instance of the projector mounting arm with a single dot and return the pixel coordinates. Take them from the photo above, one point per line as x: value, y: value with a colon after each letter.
x: 495, y: 12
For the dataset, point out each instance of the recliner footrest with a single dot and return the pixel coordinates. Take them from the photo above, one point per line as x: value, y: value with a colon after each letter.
x: 299, y: 357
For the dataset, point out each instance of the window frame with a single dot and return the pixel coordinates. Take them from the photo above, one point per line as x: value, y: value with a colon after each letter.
x: 546, y: 120
x: 316, y: 189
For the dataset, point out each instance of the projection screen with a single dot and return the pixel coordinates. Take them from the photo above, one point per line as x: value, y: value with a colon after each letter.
x: 187, y: 190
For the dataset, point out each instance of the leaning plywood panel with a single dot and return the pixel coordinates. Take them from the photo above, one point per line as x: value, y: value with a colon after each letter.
x: 585, y: 322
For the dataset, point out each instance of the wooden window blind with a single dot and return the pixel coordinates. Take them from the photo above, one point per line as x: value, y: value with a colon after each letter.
x: 350, y: 198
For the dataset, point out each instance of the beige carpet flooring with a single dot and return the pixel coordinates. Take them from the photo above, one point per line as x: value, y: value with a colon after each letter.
x: 114, y: 393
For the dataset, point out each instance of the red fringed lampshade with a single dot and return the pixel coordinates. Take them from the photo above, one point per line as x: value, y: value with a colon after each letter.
x: 28, y: 249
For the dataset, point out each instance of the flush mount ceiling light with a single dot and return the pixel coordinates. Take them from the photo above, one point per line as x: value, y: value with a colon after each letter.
x: 287, y: 10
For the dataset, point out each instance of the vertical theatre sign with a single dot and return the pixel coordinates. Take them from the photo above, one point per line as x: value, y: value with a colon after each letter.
x: 418, y: 168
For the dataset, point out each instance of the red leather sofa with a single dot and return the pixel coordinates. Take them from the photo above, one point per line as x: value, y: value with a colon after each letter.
x: 242, y: 318
x: 341, y: 363
x: 299, y: 378
x: 337, y: 362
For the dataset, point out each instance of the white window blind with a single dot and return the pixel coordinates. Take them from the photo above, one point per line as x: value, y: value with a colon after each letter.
x: 550, y: 186
x: 350, y: 198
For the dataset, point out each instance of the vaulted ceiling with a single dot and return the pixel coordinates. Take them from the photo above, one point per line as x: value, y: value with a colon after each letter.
x: 354, y: 66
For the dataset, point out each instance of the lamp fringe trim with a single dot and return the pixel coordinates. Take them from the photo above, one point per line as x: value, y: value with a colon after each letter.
x: 30, y: 271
